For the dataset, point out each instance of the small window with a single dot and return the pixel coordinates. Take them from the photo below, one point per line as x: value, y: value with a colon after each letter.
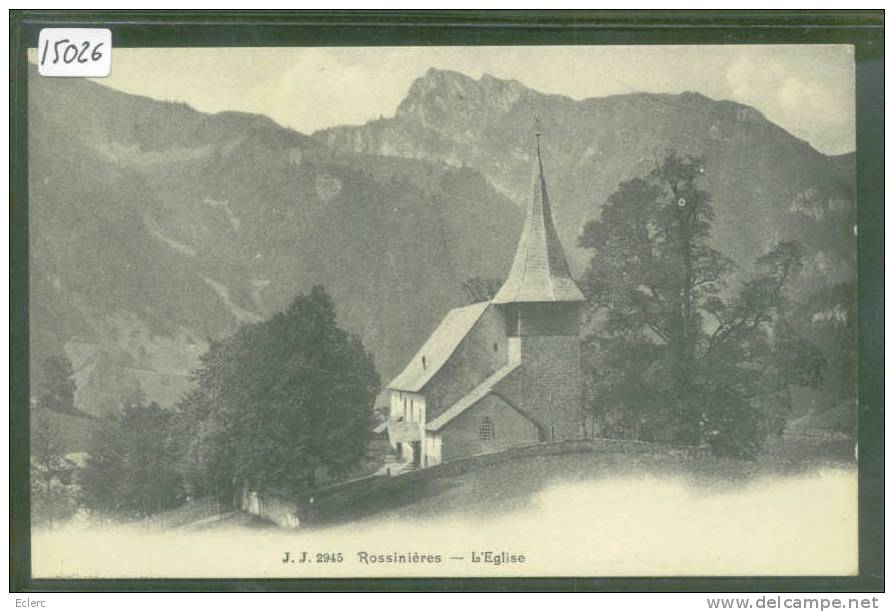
x: 487, y: 429
x: 423, y: 362
x: 496, y: 346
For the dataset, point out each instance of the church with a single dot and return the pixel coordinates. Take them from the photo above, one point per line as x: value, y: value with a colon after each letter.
x: 500, y: 373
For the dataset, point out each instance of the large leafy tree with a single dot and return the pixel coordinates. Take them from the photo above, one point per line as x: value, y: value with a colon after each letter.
x: 279, y: 400
x: 677, y: 353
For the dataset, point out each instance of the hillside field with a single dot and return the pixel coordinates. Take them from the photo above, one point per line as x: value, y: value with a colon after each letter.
x: 580, y: 513
x: 506, y: 482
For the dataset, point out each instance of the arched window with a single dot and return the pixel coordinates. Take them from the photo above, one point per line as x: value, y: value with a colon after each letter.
x: 487, y: 429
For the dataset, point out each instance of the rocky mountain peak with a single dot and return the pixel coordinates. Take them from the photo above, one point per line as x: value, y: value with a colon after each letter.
x: 593, y: 144
x: 450, y: 99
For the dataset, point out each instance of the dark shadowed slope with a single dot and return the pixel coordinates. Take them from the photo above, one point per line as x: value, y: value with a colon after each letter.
x: 155, y: 227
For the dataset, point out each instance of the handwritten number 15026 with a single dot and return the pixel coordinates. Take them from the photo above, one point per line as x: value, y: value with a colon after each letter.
x: 67, y: 52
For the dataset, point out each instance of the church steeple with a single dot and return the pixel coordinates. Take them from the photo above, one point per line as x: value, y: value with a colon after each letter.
x: 539, y: 271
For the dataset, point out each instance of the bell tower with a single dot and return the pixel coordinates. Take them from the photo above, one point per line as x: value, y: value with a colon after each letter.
x: 541, y: 305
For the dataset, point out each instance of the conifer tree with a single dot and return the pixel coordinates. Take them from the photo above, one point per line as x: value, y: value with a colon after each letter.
x: 52, y: 497
x: 56, y: 388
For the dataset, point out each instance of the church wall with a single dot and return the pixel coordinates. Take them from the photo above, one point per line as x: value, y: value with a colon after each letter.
x: 483, y: 351
x: 549, y: 320
x: 406, y: 406
x: 542, y: 319
x: 462, y: 436
x: 547, y: 386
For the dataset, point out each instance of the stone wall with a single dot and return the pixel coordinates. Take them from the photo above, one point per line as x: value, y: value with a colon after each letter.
x: 271, y: 508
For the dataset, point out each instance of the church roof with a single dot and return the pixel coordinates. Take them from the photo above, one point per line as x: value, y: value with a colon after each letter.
x: 472, y: 397
x: 539, y: 271
x: 438, y: 348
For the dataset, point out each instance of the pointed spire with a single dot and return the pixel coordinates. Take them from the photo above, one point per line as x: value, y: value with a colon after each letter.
x: 539, y: 271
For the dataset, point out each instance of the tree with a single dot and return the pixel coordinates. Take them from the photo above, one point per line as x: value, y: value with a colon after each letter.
x: 56, y: 390
x: 153, y: 482
x: 680, y: 356
x: 480, y: 288
x: 52, y: 496
x: 132, y: 469
x: 828, y: 317
x: 105, y: 472
x: 278, y: 401
x: 202, y: 446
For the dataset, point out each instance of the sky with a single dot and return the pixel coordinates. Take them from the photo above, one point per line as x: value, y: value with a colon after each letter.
x: 806, y: 89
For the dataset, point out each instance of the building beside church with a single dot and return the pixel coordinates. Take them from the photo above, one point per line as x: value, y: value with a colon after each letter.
x: 500, y: 373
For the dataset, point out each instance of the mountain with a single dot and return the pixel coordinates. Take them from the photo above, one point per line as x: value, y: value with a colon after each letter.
x: 766, y: 184
x: 155, y: 228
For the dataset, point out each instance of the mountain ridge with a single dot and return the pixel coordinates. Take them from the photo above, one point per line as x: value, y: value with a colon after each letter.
x: 593, y: 144
x: 487, y: 78
x: 156, y: 228
x: 135, y: 201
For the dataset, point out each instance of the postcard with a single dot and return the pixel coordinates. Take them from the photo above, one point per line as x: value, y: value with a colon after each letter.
x: 430, y: 311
